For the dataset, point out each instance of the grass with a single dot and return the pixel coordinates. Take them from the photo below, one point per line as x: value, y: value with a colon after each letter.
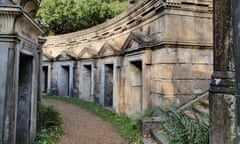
x: 49, y: 125
x: 127, y: 127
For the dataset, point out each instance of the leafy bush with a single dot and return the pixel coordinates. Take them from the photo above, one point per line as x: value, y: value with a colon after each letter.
x: 49, y: 125
x: 127, y: 127
x: 181, y: 129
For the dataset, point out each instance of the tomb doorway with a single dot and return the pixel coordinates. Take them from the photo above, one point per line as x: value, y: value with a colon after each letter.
x: 87, y: 81
x: 136, y: 86
x: 24, y: 99
x: 108, y: 85
x: 44, y: 79
x: 64, y: 78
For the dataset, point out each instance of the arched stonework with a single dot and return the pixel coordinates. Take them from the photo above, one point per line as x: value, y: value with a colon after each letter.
x: 156, y: 53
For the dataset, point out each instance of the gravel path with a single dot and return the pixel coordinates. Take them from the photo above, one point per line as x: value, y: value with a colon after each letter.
x: 83, y: 127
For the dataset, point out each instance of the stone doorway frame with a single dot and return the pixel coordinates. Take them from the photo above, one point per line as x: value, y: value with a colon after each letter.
x: 116, y: 86
x: 48, y: 67
x: 108, y: 66
x: 92, y: 82
x: 145, y: 58
x: 34, y: 91
x: 129, y: 64
x: 70, y: 75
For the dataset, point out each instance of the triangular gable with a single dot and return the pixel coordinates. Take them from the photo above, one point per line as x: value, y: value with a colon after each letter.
x: 107, y: 50
x: 87, y: 53
x: 65, y: 55
x: 135, y: 41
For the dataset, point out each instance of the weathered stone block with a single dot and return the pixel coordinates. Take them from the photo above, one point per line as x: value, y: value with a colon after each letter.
x: 184, y: 87
x: 158, y: 26
x: 182, y: 71
x: 165, y: 55
x: 164, y: 101
x: 184, y: 55
x: 202, y: 56
x: 189, y: 26
x: 183, y: 99
x: 200, y: 86
x: 202, y: 71
x: 149, y: 123
x: 162, y: 71
x: 165, y: 86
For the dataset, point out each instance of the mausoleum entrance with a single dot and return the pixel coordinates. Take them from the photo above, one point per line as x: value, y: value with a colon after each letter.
x: 64, y: 80
x: 134, y: 99
x: 108, y: 85
x: 45, y: 79
x: 87, y: 81
x: 24, y: 99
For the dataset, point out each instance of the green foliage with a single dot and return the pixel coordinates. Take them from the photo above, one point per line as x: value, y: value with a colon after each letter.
x: 128, y: 128
x: 182, y: 129
x: 63, y: 16
x: 49, y: 125
x: 48, y: 117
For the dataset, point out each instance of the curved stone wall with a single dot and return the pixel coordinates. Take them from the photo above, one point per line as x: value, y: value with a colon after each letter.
x: 159, y: 52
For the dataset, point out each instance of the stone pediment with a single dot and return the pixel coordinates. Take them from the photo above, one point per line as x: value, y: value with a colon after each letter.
x: 136, y: 41
x: 65, y: 56
x: 108, y: 50
x: 87, y: 53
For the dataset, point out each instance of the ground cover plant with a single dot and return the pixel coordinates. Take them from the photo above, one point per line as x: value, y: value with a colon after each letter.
x: 182, y: 129
x: 49, y: 125
x: 127, y: 127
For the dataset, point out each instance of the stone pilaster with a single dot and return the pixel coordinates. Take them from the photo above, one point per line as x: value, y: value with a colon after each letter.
x: 224, y: 99
x: 222, y: 102
x: 19, y: 62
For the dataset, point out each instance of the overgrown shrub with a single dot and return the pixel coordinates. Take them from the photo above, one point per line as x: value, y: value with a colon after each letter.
x: 48, y: 117
x: 49, y: 125
x: 181, y: 129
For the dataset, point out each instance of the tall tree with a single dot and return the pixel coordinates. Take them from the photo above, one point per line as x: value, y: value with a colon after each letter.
x: 63, y: 16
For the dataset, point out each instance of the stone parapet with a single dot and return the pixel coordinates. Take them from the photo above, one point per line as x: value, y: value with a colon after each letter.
x: 145, y: 17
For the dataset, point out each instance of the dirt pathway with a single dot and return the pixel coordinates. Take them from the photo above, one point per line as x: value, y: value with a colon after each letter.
x: 83, y: 127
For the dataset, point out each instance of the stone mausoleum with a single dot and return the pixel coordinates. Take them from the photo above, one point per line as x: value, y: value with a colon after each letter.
x: 20, y: 53
x: 158, y: 53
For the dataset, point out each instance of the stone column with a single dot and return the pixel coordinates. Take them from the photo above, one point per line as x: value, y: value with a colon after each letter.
x: 147, y: 79
x: 223, y: 100
x: 236, y: 51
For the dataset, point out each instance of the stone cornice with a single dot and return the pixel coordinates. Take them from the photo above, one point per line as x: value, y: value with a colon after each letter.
x: 9, y: 24
x: 141, y: 12
x: 23, y: 3
x: 144, y: 13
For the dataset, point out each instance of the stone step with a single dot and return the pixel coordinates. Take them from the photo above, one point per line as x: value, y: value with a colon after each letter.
x: 149, y: 140
x: 190, y: 114
x: 159, y: 136
x: 188, y: 105
x: 199, y: 112
x: 205, y: 102
x: 200, y: 109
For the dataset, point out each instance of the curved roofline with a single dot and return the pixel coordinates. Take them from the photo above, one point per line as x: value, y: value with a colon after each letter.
x: 107, y: 23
